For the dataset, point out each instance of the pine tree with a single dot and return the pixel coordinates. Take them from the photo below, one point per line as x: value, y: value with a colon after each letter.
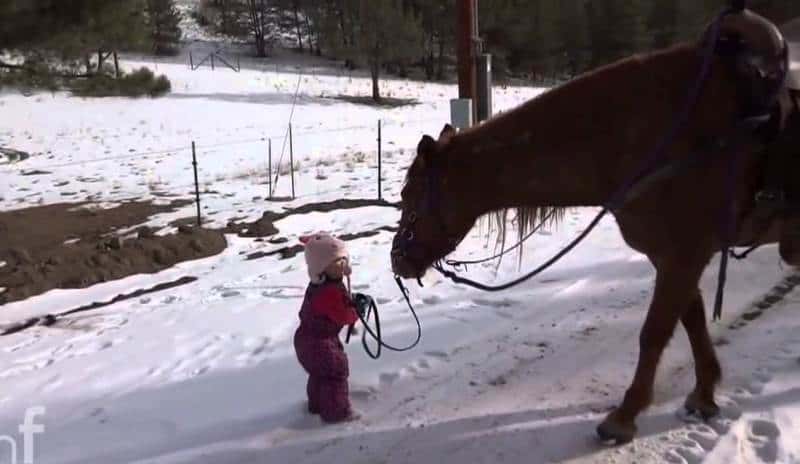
x: 663, y: 23
x: 572, y: 37
x: 437, y: 19
x: 164, y: 20
x: 384, y: 31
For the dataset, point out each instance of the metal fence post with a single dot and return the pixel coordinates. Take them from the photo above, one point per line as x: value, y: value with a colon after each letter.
x: 196, y: 184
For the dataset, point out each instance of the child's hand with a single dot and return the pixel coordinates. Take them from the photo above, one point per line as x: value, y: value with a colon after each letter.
x: 339, y: 269
x: 362, y: 303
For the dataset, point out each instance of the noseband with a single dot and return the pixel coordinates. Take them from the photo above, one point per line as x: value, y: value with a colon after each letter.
x: 405, y: 244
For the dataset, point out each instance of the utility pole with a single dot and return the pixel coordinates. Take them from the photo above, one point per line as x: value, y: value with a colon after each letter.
x: 466, y: 31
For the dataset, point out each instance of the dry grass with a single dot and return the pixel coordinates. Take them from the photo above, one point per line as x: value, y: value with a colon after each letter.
x: 359, y: 157
x: 285, y: 170
x: 326, y: 162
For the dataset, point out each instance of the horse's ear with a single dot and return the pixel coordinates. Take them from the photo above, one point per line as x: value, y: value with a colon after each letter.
x: 426, y: 149
x: 447, y: 133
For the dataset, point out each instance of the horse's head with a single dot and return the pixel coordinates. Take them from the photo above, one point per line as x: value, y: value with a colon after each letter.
x: 433, y: 220
x: 758, y: 54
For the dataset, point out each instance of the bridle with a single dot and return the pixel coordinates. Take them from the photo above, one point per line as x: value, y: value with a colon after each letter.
x: 404, y: 244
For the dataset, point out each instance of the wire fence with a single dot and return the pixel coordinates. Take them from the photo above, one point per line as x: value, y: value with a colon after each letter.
x: 174, y: 151
x: 307, y: 173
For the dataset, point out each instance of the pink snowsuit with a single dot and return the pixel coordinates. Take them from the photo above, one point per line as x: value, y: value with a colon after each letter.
x: 326, y: 309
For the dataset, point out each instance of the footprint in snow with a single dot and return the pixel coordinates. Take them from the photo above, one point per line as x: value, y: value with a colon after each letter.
x: 706, y: 440
x: 363, y: 393
x: 23, y: 344
x: 388, y: 378
x: 763, y: 436
x: 437, y: 354
x: 693, y: 455
x: 256, y: 348
x: 706, y: 433
x: 505, y: 303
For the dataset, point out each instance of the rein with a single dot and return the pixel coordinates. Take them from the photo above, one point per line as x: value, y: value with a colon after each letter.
x: 458, y: 263
x: 372, y: 307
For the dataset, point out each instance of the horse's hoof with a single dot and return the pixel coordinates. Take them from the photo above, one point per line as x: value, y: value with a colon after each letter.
x: 706, y: 409
x: 615, y: 431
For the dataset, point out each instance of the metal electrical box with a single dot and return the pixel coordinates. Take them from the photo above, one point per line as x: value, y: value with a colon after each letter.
x: 461, y: 113
x: 484, y: 84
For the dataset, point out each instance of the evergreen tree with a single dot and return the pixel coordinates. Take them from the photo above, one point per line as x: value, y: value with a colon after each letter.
x: 385, y: 31
x: 164, y: 20
x: 663, y: 23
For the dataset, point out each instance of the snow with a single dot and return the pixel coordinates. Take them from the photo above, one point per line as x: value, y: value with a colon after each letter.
x: 205, y: 372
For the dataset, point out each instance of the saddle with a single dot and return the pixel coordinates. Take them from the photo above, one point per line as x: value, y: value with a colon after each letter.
x: 769, y: 89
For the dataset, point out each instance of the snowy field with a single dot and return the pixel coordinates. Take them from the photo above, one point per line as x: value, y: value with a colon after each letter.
x: 205, y: 373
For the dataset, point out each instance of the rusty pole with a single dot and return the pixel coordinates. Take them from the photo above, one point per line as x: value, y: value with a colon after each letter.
x: 465, y: 33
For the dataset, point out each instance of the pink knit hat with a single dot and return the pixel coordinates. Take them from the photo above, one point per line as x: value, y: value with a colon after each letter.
x: 321, y: 250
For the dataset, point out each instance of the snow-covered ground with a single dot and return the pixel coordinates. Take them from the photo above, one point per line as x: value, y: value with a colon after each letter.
x: 205, y: 373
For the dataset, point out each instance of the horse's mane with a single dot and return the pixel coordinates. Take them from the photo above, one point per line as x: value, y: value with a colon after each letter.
x: 529, y: 218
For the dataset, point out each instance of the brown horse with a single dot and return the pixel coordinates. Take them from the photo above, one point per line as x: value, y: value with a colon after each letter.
x: 574, y: 146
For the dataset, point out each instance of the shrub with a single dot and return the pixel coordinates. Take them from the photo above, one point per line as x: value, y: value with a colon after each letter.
x: 136, y: 84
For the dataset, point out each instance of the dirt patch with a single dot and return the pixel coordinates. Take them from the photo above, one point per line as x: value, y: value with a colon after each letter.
x: 35, y: 172
x: 66, y: 246
x: 9, y: 155
x: 42, y: 229
x: 51, y: 320
x: 294, y: 250
x: 265, y: 227
x: 69, y: 246
x: 385, y: 102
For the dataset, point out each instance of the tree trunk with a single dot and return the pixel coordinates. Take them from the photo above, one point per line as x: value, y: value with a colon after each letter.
x: 224, y: 17
x: 440, y: 70
x: 100, y: 61
x: 375, y: 70
x: 261, y: 47
x: 345, y: 42
x: 429, y: 61
x: 297, y: 26
x: 257, y: 15
x: 116, y: 65
x: 312, y: 37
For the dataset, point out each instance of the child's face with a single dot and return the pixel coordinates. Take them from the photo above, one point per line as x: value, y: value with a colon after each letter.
x: 338, y: 269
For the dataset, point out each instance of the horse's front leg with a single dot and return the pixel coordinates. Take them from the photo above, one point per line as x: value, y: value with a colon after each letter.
x: 675, y: 290
x: 706, y: 366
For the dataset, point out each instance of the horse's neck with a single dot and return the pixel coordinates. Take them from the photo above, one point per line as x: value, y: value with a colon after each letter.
x: 573, y: 145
